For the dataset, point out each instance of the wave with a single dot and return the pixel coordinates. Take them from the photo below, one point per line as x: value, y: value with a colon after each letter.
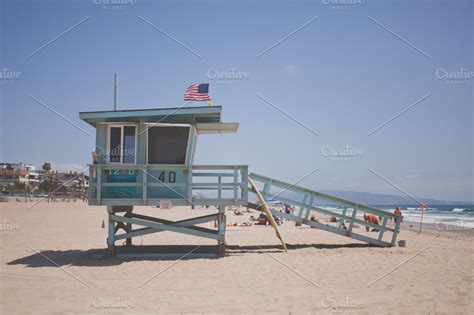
x: 331, y: 208
x: 418, y: 209
x: 455, y: 221
x: 458, y: 210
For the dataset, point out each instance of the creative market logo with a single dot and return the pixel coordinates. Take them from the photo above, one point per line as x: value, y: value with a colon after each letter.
x: 460, y: 76
x: 114, y: 4
x: 231, y: 76
x: 7, y: 226
x: 7, y: 75
x: 346, y: 153
x: 342, y: 4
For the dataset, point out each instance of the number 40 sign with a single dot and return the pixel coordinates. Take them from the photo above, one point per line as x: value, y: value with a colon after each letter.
x: 169, y: 177
x: 163, y: 177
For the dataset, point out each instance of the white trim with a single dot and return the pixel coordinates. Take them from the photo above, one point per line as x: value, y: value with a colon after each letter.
x: 216, y: 128
x: 190, y: 143
x: 195, y: 140
x: 166, y: 125
x: 118, y: 125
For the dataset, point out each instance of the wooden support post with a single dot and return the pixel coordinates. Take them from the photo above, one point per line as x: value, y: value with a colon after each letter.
x: 382, y: 230
x: 111, y: 234
x: 397, y: 229
x: 341, y: 220
x: 245, y: 184
x: 219, y: 189
x: 308, y: 210
x: 236, y: 186
x: 302, y: 208
x: 189, y: 190
x: 351, y: 224
x: 145, y: 185
x: 221, y: 226
x: 128, y: 241
x: 99, y: 184
x: 266, y: 188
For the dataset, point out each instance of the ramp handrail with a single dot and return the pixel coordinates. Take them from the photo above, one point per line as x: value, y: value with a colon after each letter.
x: 348, y: 203
x: 307, y: 204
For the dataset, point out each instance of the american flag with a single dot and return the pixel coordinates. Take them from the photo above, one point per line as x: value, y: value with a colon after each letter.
x: 197, y: 92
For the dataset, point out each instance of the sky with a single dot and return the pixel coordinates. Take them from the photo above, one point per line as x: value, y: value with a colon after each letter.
x: 375, y: 96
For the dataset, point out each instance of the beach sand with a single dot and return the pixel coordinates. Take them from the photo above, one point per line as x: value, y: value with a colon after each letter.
x: 48, y: 265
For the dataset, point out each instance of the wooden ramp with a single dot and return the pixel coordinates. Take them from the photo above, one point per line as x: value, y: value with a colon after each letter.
x: 348, y: 217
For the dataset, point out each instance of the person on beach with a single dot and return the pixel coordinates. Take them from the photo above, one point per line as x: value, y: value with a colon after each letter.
x: 334, y: 219
x: 262, y: 219
x: 370, y: 218
x: 397, y: 211
x: 287, y: 210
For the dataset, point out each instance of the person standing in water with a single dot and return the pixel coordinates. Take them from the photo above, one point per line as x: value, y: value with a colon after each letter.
x: 399, y: 212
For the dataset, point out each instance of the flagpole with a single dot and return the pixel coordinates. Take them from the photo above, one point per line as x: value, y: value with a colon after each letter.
x: 422, y: 208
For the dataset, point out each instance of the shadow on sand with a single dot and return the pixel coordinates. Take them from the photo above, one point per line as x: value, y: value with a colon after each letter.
x: 100, y: 258
x: 277, y: 248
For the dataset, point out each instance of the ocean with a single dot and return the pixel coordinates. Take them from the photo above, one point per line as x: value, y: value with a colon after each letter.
x: 453, y: 217
x: 461, y: 216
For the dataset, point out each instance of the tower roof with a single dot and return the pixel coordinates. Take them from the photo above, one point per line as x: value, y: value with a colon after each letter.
x: 179, y: 115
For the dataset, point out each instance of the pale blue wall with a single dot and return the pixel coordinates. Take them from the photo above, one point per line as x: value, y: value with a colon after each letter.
x: 101, y: 143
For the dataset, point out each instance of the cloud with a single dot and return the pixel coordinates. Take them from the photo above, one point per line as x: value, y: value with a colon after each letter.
x: 291, y: 69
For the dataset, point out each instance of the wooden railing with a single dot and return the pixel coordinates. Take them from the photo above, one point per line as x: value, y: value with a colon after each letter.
x: 133, y: 184
x: 287, y: 193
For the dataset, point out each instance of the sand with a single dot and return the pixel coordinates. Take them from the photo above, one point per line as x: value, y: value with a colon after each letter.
x: 48, y: 267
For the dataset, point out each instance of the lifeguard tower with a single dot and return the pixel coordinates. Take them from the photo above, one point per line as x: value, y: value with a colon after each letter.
x: 145, y: 157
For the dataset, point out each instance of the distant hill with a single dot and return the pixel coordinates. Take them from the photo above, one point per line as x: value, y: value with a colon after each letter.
x: 384, y: 199
x: 371, y: 198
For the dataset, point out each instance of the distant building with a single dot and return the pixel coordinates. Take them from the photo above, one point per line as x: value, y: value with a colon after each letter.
x: 13, y: 173
x: 72, y: 179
